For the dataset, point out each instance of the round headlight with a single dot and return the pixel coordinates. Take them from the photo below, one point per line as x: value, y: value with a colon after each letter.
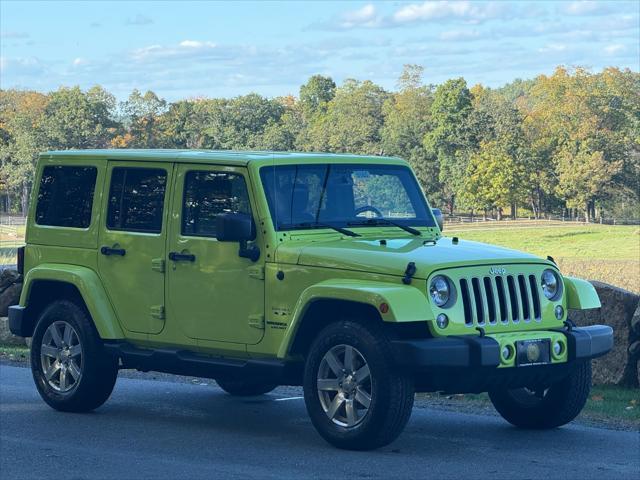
x: 551, y: 284
x: 440, y: 290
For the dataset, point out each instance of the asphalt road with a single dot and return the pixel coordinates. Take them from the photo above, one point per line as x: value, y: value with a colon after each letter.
x: 162, y: 429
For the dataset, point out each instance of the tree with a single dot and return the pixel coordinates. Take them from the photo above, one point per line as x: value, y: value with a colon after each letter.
x: 582, y: 174
x: 449, y: 140
x: 353, y: 120
x: 142, y: 120
x: 494, y: 179
x: 75, y: 119
x: 22, y: 122
x: 316, y: 94
x: 407, y: 120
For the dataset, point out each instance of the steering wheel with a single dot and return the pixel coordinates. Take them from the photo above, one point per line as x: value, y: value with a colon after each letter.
x: 369, y: 208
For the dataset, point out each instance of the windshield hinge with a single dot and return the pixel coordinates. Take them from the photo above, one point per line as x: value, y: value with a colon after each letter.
x: 256, y: 271
x: 257, y: 321
x: 409, y: 273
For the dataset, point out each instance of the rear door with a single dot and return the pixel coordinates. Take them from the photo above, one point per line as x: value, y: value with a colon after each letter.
x: 132, y: 242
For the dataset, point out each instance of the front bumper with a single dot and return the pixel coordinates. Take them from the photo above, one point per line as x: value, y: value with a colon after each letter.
x: 474, y: 351
x: 19, y: 323
x: 469, y: 364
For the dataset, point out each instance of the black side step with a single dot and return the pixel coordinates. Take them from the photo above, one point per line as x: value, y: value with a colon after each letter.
x: 185, y: 362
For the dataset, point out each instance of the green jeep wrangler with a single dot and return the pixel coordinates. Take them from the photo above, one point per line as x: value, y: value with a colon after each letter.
x: 261, y: 269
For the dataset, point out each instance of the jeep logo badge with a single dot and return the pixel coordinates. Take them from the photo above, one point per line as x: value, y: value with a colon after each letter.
x: 497, y: 271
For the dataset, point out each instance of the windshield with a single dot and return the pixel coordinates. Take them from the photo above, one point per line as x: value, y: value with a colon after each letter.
x: 314, y: 196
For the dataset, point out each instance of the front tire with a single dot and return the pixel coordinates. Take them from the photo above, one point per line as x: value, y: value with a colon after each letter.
x: 69, y: 366
x: 545, y: 408
x: 356, y: 397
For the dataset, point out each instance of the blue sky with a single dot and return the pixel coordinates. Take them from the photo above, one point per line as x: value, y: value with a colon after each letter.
x: 190, y: 49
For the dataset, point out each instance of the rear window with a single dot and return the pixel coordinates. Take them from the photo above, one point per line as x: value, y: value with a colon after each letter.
x: 65, y: 196
x: 136, y: 199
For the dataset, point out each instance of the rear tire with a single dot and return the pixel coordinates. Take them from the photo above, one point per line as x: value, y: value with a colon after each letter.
x: 547, y: 408
x: 71, y: 370
x: 356, y: 396
x: 245, y: 388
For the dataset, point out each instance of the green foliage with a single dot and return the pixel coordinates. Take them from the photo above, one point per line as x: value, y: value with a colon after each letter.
x: 568, y: 140
x: 494, y: 178
x: 407, y: 117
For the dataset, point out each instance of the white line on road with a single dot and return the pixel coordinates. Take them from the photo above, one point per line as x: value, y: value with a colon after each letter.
x: 288, y: 398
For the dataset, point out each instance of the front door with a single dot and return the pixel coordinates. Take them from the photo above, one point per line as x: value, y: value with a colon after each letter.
x: 132, y: 242
x: 212, y: 292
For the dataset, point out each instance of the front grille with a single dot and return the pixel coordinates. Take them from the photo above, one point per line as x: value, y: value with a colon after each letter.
x: 500, y: 299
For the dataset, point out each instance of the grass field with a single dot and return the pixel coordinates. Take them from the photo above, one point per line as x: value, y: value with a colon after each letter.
x: 596, y: 252
x: 11, y: 237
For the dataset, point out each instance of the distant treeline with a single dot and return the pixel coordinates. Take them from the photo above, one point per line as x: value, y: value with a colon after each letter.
x: 568, y: 142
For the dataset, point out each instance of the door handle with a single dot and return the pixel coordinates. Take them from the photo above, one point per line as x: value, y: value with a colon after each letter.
x: 182, y: 257
x: 113, y: 251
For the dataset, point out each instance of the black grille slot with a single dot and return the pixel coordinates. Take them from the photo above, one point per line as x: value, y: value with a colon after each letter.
x: 491, y: 303
x: 466, y: 302
x: 534, y: 295
x: 514, y: 298
x: 478, y: 299
x: 524, y: 298
x: 502, y: 300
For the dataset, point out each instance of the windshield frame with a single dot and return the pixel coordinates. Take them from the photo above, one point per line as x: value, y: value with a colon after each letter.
x: 414, y: 193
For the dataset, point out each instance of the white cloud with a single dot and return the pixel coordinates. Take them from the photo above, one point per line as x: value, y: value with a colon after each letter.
x: 138, y: 20
x: 427, y: 11
x: 614, y: 49
x: 553, y: 47
x: 21, y: 65
x: 366, y: 16
x: 79, y: 61
x: 196, y: 44
x: 14, y: 35
x: 585, y: 7
x: 459, y: 35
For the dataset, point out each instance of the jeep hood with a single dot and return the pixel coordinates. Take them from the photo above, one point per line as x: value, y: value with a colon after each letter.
x: 392, y: 258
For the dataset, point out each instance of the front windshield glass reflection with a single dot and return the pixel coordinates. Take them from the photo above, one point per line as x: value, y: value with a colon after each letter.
x: 309, y: 196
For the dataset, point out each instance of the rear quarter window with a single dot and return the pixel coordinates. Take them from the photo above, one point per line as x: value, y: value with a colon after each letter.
x: 65, y: 196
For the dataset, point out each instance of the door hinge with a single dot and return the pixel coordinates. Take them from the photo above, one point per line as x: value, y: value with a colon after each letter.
x: 256, y: 271
x: 157, y: 311
x: 158, y: 264
x: 256, y: 321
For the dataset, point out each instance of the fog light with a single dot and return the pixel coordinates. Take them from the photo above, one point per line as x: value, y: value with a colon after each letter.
x: 442, y: 320
x: 559, y: 311
x: 558, y: 348
x: 507, y: 352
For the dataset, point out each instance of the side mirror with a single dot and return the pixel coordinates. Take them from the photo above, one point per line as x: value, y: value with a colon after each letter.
x: 235, y: 227
x: 238, y: 227
x: 437, y: 214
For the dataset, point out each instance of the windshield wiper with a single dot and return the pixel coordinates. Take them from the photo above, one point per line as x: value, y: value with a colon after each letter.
x: 343, y: 231
x: 385, y: 221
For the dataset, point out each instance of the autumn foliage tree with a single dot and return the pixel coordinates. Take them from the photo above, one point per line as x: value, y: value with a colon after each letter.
x: 566, y: 142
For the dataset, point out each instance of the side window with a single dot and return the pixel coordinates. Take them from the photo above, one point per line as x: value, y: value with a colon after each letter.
x: 136, y: 199
x: 65, y: 196
x: 207, y: 195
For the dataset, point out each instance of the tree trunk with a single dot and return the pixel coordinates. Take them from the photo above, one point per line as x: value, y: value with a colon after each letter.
x: 587, y: 211
x: 499, y: 213
x: 25, y: 199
